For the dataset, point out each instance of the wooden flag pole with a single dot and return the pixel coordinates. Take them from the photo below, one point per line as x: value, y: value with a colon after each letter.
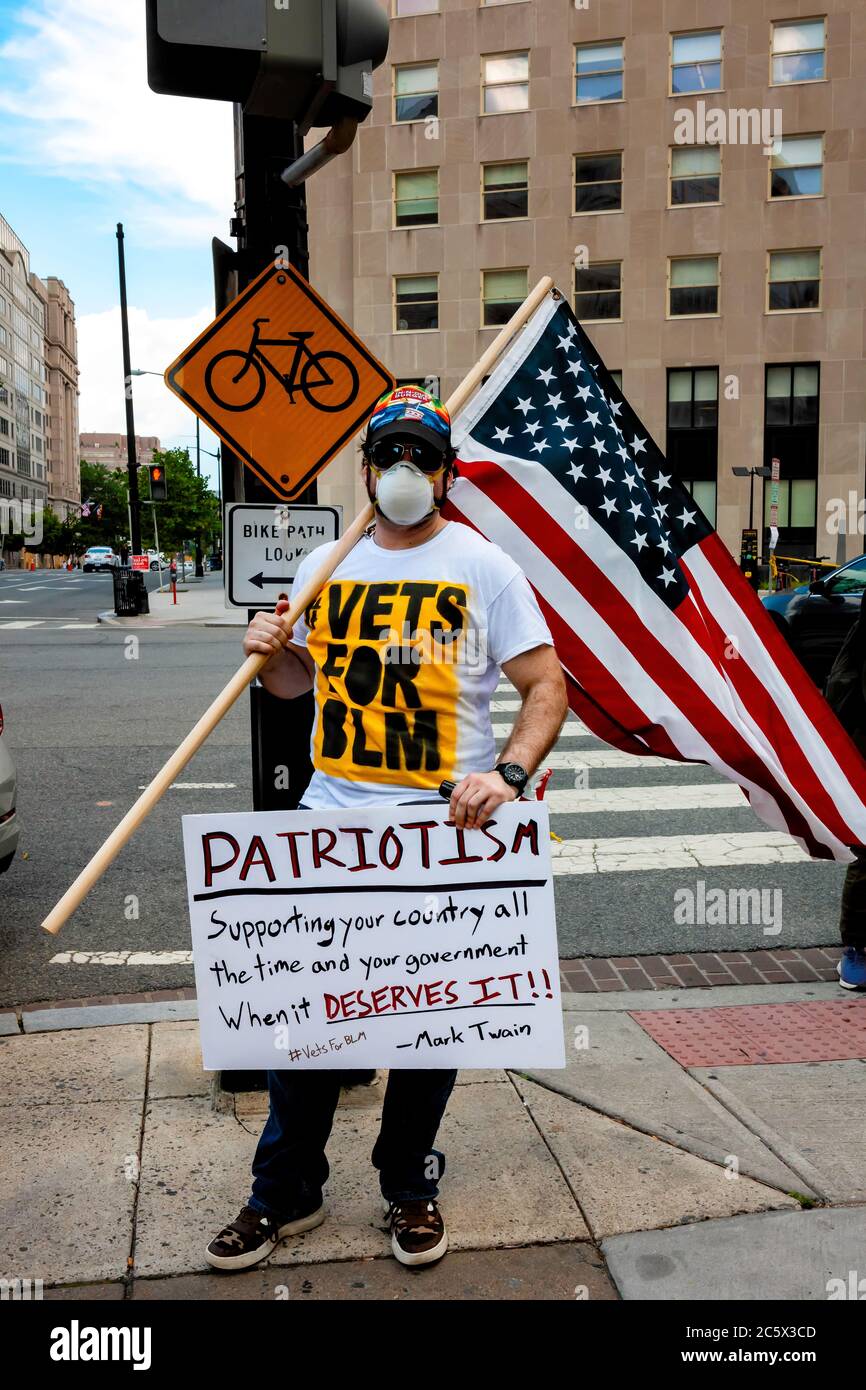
x: 104, y: 856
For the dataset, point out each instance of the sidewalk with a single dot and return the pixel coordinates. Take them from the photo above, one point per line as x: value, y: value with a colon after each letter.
x: 199, y: 602
x: 676, y: 1156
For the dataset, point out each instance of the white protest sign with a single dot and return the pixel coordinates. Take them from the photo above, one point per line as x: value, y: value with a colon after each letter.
x: 376, y: 937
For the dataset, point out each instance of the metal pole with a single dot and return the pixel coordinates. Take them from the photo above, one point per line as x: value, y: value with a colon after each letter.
x: 199, y: 567
x: 132, y: 462
x: 751, y: 497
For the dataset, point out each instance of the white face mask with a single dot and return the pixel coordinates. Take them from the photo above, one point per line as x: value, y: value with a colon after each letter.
x: 404, y: 494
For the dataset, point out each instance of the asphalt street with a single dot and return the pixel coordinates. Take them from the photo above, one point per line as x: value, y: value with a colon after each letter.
x: 91, y: 716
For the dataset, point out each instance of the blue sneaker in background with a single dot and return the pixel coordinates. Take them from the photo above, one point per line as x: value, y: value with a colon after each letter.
x: 852, y: 968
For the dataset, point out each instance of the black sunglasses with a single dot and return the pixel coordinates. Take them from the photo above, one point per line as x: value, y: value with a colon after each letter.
x: 386, y: 452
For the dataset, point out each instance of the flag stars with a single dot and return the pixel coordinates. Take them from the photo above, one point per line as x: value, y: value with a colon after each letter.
x: 639, y: 540
x: 545, y: 375
x: 667, y: 576
x: 638, y: 446
x: 524, y: 406
x: 630, y: 480
x: 575, y: 367
x: 555, y: 401
x: 570, y: 444
x: 636, y: 509
x: 576, y: 470
x: 562, y: 423
x: 608, y: 506
x: 593, y: 419
x: 532, y: 428
x: 598, y: 446
x: 502, y: 434
x: 604, y: 476
x: 686, y: 517
x: 663, y: 480
x: 583, y: 392
x: 539, y: 446
x: 623, y: 452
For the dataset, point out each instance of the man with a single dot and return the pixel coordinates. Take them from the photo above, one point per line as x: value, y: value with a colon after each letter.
x: 389, y: 729
x: 846, y: 694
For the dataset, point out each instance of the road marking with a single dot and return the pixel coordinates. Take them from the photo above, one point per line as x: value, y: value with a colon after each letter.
x: 10, y: 627
x: 122, y: 958
x: 698, y: 796
x: 573, y: 729
x: 606, y: 757
x: 13, y: 600
x: 196, y: 786
x: 68, y: 627
x: 649, y: 853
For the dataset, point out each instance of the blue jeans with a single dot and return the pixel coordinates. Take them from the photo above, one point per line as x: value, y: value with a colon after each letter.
x: 290, y: 1168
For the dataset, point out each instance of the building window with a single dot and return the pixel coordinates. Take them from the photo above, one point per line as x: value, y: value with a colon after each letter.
x: 416, y: 198
x: 429, y: 384
x: 692, y: 447
x: 598, y: 71
x: 598, y: 182
x: 696, y: 175
x: 410, y: 7
x: 4, y: 458
x: 794, y: 281
x: 416, y: 302
x: 616, y: 378
x: 505, y: 191
x: 792, y: 395
x: 505, y: 83
x: 693, y: 285
x: 502, y: 293
x: 696, y: 62
x: 598, y: 291
x: 798, y: 51
x: 4, y: 425
x: 791, y: 420
x: 416, y: 92
x: 797, y: 167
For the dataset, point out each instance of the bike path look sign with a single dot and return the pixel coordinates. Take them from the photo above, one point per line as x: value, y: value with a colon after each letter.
x: 265, y: 546
x: 281, y: 379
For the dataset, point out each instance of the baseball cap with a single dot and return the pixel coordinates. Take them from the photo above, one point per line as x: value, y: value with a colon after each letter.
x: 409, y: 410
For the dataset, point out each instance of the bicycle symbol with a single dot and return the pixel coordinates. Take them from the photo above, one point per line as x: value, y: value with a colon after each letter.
x: 236, y: 380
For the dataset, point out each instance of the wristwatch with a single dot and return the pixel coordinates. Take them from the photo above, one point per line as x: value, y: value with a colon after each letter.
x: 514, y: 775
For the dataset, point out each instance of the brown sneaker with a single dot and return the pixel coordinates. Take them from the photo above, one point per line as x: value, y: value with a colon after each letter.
x: 418, y: 1235
x: 252, y: 1236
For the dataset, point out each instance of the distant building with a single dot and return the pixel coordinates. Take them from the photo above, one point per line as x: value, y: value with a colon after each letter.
x: 23, y: 373
x: 110, y: 449
x: 61, y: 352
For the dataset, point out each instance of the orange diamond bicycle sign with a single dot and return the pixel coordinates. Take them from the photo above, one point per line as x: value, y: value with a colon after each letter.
x: 281, y: 379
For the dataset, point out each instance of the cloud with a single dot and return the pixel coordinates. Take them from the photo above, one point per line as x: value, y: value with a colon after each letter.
x: 154, y: 344
x: 75, y: 86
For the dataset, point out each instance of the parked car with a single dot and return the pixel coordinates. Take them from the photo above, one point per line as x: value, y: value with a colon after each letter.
x: 815, y: 618
x: 8, y: 815
x: 99, y: 557
x: 156, y: 558
x: 215, y: 560
x: 2, y: 563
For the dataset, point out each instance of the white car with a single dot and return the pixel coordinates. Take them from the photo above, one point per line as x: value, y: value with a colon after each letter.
x: 156, y: 559
x: 98, y: 557
x: 8, y: 816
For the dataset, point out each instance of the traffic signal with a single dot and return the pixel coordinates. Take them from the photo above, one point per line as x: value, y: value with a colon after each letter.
x: 309, y: 61
x: 158, y: 492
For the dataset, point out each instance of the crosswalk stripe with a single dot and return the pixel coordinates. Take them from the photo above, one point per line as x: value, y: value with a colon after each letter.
x: 573, y: 729
x: 650, y: 853
x: 697, y: 797
x: 9, y: 627
x: 195, y: 786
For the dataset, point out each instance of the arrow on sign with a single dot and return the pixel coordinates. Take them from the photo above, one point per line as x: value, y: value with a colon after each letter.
x: 260, y: 580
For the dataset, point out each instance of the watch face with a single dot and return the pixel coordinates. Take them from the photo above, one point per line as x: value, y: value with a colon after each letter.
x: 514, y: 775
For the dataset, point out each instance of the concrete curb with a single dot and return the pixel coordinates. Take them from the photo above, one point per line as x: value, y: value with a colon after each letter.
x: 106, y: 1015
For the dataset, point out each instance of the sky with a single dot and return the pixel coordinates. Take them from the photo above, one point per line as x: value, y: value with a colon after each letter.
x: 85, y: 144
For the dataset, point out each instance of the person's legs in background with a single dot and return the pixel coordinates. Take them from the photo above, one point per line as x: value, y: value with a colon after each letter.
x: 852, y: 924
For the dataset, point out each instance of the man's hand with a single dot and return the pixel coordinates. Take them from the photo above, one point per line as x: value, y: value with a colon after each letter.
x: 266, y: 634
x: 476, y: 798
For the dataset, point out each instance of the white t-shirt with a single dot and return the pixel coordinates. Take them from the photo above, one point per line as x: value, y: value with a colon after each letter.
x: 407, y: 646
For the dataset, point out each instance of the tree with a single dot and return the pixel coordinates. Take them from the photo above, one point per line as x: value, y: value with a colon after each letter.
x: 106, y: 488
x: 190, y: 510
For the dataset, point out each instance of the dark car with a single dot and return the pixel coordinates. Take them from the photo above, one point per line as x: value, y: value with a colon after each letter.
x: 815, y: 618
x: 216, y: 561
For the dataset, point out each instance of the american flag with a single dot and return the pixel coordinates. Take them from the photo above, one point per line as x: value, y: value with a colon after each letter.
x: 666, y: 649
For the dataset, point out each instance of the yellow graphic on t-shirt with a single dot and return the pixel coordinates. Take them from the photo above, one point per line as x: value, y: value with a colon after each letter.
x: 388, y: 661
